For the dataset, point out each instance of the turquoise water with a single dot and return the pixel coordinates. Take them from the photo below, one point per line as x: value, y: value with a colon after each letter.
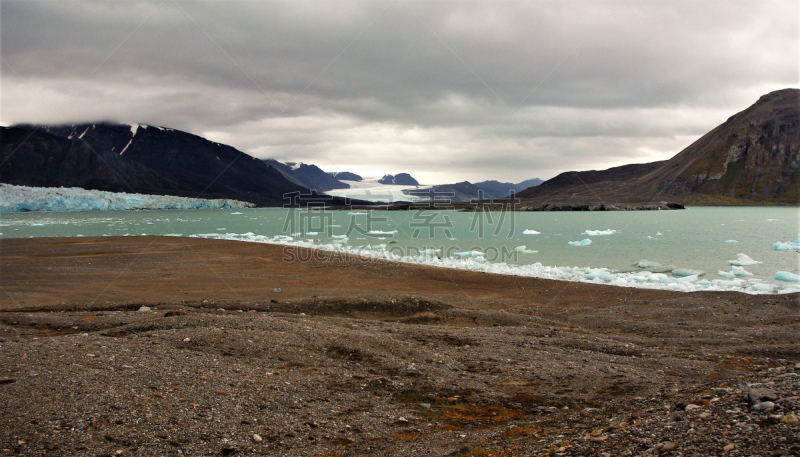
x: 693, y: 239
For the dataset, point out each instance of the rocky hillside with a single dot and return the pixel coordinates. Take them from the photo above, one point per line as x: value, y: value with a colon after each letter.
x: 752, y: 158
x: 137, y: 158
x: 309, y: 176
x: 403, y: 179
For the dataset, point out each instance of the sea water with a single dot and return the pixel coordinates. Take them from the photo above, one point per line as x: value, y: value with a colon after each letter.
x: 684, y: 250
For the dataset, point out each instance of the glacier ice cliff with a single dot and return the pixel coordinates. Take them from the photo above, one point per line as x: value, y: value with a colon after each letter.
x: 22, y: 198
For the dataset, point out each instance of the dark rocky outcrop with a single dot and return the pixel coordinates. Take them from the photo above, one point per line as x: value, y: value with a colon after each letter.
x: 403, y: 179
x: 346, y: 176
x: 310, y: 176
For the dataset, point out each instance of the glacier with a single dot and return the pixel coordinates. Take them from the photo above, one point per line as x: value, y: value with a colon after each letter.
x: 23, y: 198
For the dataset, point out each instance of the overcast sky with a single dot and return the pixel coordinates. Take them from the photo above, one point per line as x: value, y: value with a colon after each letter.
x: 447, y: 91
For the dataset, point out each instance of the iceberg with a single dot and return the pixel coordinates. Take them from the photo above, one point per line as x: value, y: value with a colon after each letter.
x: 787, y: 276
x: 530, y: 232
x: 788, y: 245
x: 648, y: 264
x: 523, y: 250
x: 731, y: 241
x: 357, y: 214
x: 62, y: 199
x: 740, y: 271
x: 381, y: 232
x: 586, y: 242
x: 743, y: 260
x: 339, y: 237
x: 599, y: 232
x: 467, y: 254
x: 726, y: 274
x: 687, y: 272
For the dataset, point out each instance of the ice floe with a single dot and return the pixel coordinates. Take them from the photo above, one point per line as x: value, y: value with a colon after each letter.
x: 524, y: 250
x: 787, y: 276
x: 586, y: 242
x: 685, y: 272
x: 381, y: 232
x: 530, y: 232
x: 476, y: 261
x: 788, y: 245
x: 599, y: 232
x: 743, y: 260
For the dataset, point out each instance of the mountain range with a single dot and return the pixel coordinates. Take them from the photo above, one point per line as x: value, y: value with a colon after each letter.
x: 139, y: 159
x: 752, y: 158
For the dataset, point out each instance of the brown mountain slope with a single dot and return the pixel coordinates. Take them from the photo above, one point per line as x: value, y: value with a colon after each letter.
x: 752, y: 158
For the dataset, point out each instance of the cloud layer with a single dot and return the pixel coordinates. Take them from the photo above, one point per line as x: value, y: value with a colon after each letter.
x: 447, y: 91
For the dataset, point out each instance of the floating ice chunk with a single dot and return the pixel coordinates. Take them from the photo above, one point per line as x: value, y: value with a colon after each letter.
x: 651, y: 237
x: 236, y: 213
x: 524, y: 250
x: 659, y: 233
x: 740, y: 271
x: 726, y: 274
x: 687, y: 272
x: 788, y: 246
x: 774, y: 220
x: 530, y: 232
x: 466, y: 254
x: 787, y: 276
x: 430, y: 252
x: 658, y: 277
x: 743, y: 260
x: 599, y: 232
x: 764, y: 287
x: 648, y: 264
x: 356, y: 214
x: 689, y: 279
x: 381, y: 232
x: 312, y: 233
x: 586, y: 242
x: 339, y: 237
x: 731, y: 241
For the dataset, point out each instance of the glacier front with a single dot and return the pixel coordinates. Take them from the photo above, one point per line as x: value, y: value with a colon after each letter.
x: 23, y: 198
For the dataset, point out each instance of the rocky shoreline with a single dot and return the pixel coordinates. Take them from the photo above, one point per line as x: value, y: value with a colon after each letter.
x: 137, y: 347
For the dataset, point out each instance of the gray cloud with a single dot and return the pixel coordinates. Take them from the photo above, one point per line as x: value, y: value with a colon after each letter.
x: 448, y: 90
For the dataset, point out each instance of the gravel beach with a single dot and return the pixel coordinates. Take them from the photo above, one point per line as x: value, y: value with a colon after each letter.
x: 178, y: 346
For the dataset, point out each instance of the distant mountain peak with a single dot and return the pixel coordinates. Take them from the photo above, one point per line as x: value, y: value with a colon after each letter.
x: 403, y: 179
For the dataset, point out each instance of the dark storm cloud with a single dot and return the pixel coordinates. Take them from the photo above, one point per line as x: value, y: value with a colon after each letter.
x: 547, y: 86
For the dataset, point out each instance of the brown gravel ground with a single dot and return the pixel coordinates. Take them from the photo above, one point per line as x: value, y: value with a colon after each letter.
x: 361, y: 357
